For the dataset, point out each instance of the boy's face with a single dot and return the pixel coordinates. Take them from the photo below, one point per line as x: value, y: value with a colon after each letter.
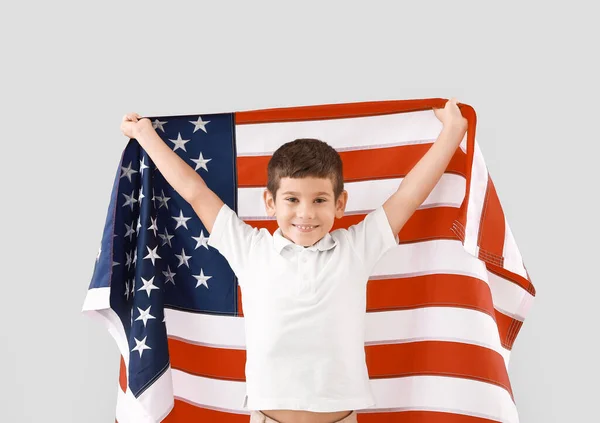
x: 305, y: 201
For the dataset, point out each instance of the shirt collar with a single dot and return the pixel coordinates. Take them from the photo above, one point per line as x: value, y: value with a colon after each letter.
x: 280, y: 242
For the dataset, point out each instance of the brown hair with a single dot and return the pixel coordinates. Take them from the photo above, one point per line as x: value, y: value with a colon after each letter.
x: 305, y: 157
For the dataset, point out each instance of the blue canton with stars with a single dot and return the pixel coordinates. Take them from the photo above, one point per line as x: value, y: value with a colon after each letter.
x: 154, y: 252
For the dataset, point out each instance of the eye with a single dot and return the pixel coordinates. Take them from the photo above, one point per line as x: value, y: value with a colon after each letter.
x: 322, y: 200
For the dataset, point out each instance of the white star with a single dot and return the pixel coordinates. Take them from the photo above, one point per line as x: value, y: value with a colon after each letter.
x: 135, y: 257
x: 163, y: 200
x: 199, y: 124
x: 132, y: 289
x: 152, y: 254
x: 148, y: 286
x: 201, y: 162
x: 179, y: 142
x: 141, y: 195
x: 143, y: 166
x: 166, y: 238
x: 158, y: 124
x: 99, y: 252
x: 127, y: 171
x: 130, y: 230
x: 181, y: 220
x: 139, y: 225
x: 141, y: 346
x: 127, y: 289
x: 128, y: 262
x: 145, y: 315
x: 201, y: 279
x: 201, y: 240
x: 169, y: 275
x: 183, y: 258
x: 129, y: 200
x: 115, y: 263
x: 153, y: 225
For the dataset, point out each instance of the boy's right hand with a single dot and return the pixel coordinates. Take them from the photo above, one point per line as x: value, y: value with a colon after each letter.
x: 132, y: 124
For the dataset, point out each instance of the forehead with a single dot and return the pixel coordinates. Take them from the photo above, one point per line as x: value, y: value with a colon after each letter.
x: 306, y: 186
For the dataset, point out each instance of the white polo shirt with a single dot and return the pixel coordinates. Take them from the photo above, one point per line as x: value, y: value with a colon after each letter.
x: 304, y: 311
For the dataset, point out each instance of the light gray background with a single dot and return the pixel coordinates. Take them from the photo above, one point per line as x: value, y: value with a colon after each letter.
x: 71, y: 70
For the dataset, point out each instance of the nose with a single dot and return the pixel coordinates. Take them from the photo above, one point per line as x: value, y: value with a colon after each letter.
x: 305, y: 211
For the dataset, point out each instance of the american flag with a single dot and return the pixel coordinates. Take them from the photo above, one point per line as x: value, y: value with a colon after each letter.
x: 443, y: 308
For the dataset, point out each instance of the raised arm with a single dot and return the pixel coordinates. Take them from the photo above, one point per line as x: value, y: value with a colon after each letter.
x: 180, y: 175
x: 420, y: 181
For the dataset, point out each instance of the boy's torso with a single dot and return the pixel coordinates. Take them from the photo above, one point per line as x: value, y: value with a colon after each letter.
x: 304, y: 316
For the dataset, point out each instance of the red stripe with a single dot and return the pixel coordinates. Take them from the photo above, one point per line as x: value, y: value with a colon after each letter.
x: 435, y: 290
x: 123, y: 375
x: 200, y: 360
x: 437, y: 358
x: 335, y: 111
x: 358, y: 165
x: 491, y: 228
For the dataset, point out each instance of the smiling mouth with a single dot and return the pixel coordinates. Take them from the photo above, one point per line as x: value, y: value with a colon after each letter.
x: 305, y: 228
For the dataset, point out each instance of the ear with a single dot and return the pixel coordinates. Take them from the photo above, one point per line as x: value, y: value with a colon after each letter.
x: 340, y: 204
x: 269, y: 202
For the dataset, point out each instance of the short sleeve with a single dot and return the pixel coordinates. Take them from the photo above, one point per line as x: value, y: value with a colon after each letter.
x: 372, y: 237
x: 233, y: 238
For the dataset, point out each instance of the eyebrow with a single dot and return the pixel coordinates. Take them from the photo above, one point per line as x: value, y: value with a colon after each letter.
x: 295, y: 193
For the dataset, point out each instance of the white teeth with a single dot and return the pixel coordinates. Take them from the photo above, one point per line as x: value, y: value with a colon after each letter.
x: 305, y: 227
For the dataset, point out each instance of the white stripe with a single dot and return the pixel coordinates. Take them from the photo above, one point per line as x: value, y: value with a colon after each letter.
x: 433, y: 393
x: 445, y: 394
x: 206, y: 329
x: 96, y: 299
x: 387, y: 327
x: 152, y: 406
x: 429, y: 257
x: 97, y: 306
x: 450, y: 324
x: 513, y: 261
x: 508, y: 296
x: 479, y: 181
x: 342, y: 134
x: 222, y: 395
x: 364, y: 196
x: 157, y: 399
x: 129, y: 409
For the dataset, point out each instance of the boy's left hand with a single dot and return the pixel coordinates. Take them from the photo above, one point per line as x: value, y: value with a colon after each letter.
x: 451, y: 116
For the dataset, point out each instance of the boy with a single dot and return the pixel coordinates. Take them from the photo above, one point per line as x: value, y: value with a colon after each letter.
x: 304, y: 288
